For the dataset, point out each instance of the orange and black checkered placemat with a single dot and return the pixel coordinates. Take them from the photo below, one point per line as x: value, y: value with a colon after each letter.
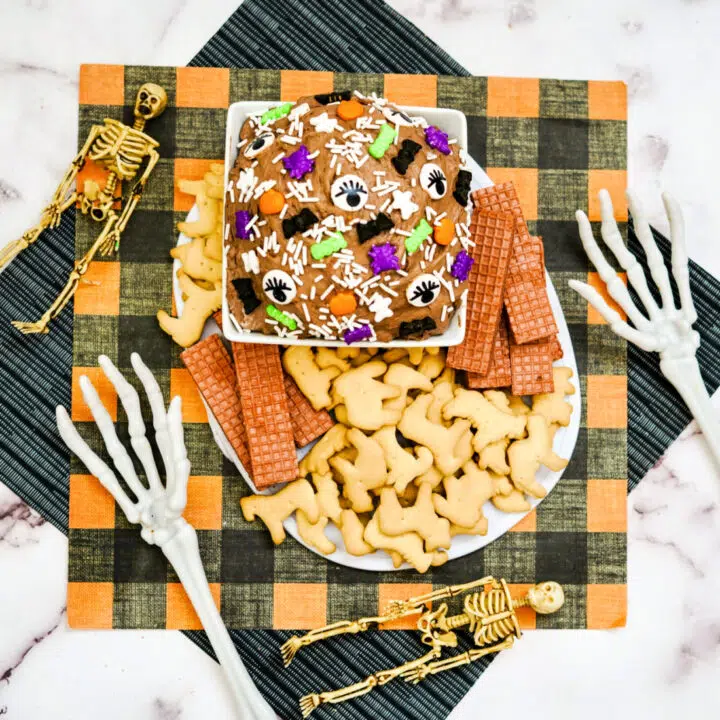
x: 559, y: 142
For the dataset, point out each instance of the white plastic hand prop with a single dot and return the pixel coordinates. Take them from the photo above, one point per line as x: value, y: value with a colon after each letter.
x: 157, y: 508
x: 664, y: 329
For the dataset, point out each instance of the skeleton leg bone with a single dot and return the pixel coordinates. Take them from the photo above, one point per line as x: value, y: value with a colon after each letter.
x: 81, y: 267
x: 310, y: 702
x: 416, y: 674
x: 293, y: 644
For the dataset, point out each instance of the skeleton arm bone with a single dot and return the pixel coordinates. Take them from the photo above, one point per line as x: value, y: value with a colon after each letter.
x: 447, y: 592
x: 131, y: 204
x: 415, y: 675
x: 75, y: 166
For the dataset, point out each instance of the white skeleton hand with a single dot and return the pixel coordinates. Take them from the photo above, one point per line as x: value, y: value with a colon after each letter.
x: 667, y: 329
x: 664, y: 329
x: 156, y: 507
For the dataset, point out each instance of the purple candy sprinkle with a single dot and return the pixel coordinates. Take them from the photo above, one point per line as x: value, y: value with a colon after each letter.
x: 383, y: 258
x: 242, y: 218
x: 437, y: 139
x: 361, y: 333
x: 461, y: 267
x: 299, y: 163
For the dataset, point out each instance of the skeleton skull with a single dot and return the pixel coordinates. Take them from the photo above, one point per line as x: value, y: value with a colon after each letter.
x: 150, y: 101
x: 546, y: 597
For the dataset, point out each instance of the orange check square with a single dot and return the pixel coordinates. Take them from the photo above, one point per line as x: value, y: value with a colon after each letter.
x: 606, y: 505
x: 411, y: 89
x: 525, y: 181
x: 91, y: 505
x: 90, y: 605
x: 79, y: 411
x: 615, y: 182
x: 526, y: 616
x: 180, y: 614
x: 607, y: 401
x: 527, y: 524
x: 182, y: 384
x: 513, y: 97
x: 593, y: 316
x: 607, y: 100
x: 606, y: 606
x: 99, y: 290
x: 202, y: 87
x: 393, y: 591
x: 299, y: 606
x: 204, y: 502
x: 102, y: 85
x: 297, y: 83
x: 188, y: 169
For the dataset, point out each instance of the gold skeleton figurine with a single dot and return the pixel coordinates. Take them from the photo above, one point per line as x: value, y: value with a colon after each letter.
x: 488, y: 614
x: 119, y: 149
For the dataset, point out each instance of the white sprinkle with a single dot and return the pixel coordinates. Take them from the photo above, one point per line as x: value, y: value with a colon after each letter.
x: 241, y: 143
x: 439, y: 218
x: 422, y: 265
x: 413, y: 182
x: 313, y: 155
x: 312, y: 292
x: 306, y: 312
x: 289, y: 139
x: 283, y: 212
x: 388, y: 290
x: 328, y: 290
x: 333, y: 161
x: 278, y: 158
x: 318, y: 266
x: 444, y: 313
x: 297, y: 280
x: 227, y: 231
x: 368, y: 206
x: 452, y: 142
x: 284, y: 260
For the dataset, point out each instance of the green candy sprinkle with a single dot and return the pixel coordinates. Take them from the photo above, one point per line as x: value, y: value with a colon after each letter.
x: 418, y: 236
x: 329, y: 246
x: 281, y: 317
x: 383, y: 141
x: 276, y: 113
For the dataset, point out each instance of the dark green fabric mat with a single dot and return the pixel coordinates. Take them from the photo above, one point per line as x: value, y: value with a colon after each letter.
x: 35, y: 372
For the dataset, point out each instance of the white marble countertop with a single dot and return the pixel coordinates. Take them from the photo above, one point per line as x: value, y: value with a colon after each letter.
x: 666, y: 662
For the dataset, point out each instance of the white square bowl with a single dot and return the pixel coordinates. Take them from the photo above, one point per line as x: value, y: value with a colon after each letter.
x: 453, y: 122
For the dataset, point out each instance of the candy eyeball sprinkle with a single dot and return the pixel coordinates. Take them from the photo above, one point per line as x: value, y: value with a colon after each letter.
x: 258, y: 144
x: 423, y: 290
x: 349, y: 192
x: 433, y: 180
x: 396, y: 117
x: 279, y: 287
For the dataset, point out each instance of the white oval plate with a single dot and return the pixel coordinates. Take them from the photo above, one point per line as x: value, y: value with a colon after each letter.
x: 498, y: 522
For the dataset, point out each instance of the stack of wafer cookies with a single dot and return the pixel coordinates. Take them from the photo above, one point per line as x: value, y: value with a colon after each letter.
x: 511, y: 336
x: 258, y: 406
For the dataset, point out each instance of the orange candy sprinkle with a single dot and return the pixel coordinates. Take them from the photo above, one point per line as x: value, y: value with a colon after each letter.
x: 350, y: 109
x: 443, y: 233
x: 271, y: 202
x: 343, y: 303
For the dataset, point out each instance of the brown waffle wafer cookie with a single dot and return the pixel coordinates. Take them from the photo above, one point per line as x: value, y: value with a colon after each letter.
x: 493, y: 236
x: 210, y: 366
x: 498, y: 374
x: 526, y: 300
x: 502, y: 198
x: 531, y: 367
x: 265, y: 410
x: 307, y: 423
